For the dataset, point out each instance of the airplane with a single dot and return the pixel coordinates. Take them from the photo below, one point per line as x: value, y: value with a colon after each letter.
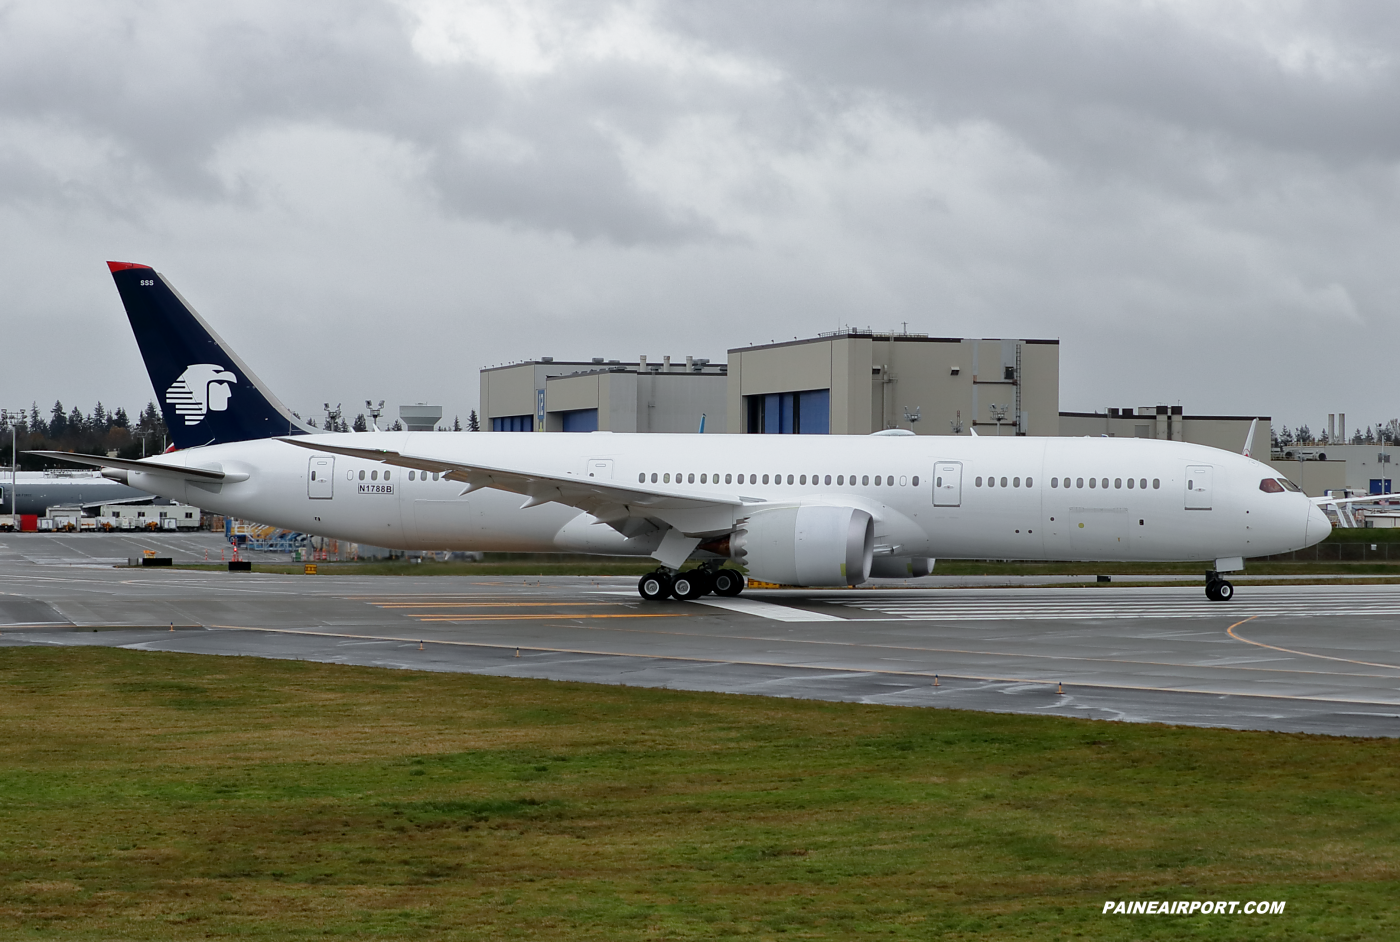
x: 33, y: 492
x: 793, y: 510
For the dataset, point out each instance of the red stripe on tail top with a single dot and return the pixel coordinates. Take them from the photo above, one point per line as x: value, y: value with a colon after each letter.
x: 123, y: 266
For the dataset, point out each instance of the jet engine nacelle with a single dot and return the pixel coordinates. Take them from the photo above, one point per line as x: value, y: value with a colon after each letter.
x: 901, y: 567
x: 815, y: 545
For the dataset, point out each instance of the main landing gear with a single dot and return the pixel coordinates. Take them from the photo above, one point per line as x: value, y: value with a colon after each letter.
x: 691, y: 584
x: 1217, y: 588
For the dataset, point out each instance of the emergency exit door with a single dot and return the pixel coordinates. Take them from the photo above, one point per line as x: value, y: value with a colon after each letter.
x: 320, y: 482
x: 600, y: 469
x: 947, y: 484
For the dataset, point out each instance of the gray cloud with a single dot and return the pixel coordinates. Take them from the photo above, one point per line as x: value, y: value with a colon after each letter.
x: 1199, y: 201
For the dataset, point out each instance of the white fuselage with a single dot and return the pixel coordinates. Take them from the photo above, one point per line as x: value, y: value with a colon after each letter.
x: 1041, y: 507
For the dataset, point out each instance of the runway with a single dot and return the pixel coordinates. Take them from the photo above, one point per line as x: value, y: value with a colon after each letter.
x: 1320, y: 659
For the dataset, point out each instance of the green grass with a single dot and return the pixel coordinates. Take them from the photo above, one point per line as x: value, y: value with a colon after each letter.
x: 164, y: 796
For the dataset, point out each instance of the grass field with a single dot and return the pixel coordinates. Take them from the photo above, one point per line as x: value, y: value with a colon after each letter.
x: 162, y: 796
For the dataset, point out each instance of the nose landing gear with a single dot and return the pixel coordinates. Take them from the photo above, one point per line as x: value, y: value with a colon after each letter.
x: 1218, y: 589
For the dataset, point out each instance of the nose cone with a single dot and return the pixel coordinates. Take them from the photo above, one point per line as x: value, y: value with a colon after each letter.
x: 1319, y: 527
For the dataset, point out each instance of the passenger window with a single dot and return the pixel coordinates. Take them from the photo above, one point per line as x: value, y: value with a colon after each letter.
x: 802, y: 480
x: 1131, y: 482
x: 916, y: 480
x: 1270, y: 486
x: 1028, y: 482
x: 1093, y: 482
x: 1156, y: 483
x: 753, y: 479
x: 865, y: 480
x: 386, y: 475
x: 1015, y: 482
x: 666, y: 478
x: 1003, y: 482
x: 641, y: 478
x: 1078, y: 482
x: 765, y: 479
x: 841, y: 480
x: 828, y: 479
x: 362, y: 474
x: 435, y: 475
x: 903, y: 481
x: 978, y: 481
x: 691, y: 478
x: 704, y: 479
x: 1054, y: 482
x: 877, y: 480
x: 1117, y: 482
x: 729, y: 479
x: 653, y: 477
x: 789, y: 478
x: 374, y: 475
x: 1143, y: 483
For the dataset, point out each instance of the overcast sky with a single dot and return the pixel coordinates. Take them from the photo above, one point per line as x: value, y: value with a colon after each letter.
x: 375, y: 199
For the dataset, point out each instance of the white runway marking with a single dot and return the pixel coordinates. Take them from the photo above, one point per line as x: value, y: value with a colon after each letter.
x: 767, y: 610
x: 980, y: 607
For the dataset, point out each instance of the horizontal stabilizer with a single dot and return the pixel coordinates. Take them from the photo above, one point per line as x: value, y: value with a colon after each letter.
x: 145, y: 464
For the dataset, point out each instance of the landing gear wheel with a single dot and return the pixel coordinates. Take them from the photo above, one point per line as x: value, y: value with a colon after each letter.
x: 728, y: 582
x: 690, y: 585
x: 654, y: 586
x: 1219, y: 590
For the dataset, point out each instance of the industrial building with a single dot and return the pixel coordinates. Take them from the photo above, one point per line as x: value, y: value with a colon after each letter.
x: 1170, y: 423
x: 1227, y: 432
x: 604, y: 395
x: 854, y: 382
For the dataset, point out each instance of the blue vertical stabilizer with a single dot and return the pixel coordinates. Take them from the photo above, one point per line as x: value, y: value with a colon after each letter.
x: 207, y: 394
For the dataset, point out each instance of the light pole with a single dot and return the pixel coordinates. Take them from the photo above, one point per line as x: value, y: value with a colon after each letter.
x: 8, y: 416
x: 999, y: 414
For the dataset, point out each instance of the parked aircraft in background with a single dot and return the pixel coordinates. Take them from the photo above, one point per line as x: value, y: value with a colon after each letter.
x: 39, y: 490
x: 797, y: 510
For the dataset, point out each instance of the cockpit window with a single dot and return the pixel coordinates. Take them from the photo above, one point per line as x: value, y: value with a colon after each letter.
x: 1270, y: 486
x: 1290, y: 486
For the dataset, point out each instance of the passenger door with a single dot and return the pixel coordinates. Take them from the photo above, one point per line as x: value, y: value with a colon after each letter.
x: 1198, y: 487
x: 947, y: 484
x: 320, y: 479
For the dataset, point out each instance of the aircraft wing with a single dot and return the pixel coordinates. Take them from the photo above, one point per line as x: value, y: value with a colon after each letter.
x: 1363, y: 499
x: 145, y: 464
x: 623, y: 506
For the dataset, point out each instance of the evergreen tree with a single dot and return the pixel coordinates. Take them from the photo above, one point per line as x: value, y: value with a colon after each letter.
x: 100, y: 421
x: 360, y: 424
x: 396, y: 427
x: 36, y: 423
x: 58, y: 421
x: 77, y: 422
x: 473, y: 423
x: 456, y: 424
x: 119, y: 419
x: 1304, y: 435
